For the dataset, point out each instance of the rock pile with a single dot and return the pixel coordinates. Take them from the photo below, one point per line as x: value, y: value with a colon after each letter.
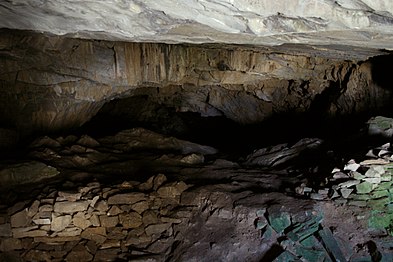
x: 95, y: 223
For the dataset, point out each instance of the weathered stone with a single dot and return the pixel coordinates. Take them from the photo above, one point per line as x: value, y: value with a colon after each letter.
x: 89, y: 187
x: 110, y: 243
x: 157, y: 228
x: 81, y: 222
x: 66, y: 196
x: 20, y: 219
x: 345, y: 192
x: 33, y: 208
x: 17, y: 207
x: 97, y: 234
x: 373, y: 180
x: 9, y: 244
x: 148, y: 185
x: 28, y: 172
x: 149, y: 217
x: 117, y: 233
x: 109, y: 221
x: 45, y: 208
x: 170, y: 220
x: 79, y: 253
x: 43, y: 214
x: 364, y: 188
x: 140, y: 241
x: 70, y: 207
x: 128, y: 198
x: 130, y: 220
x: 5, y: 230
x: 114, y: 211
x: 190, y: 198
x: 94, y: 220
x: 56, y: 239
x: 193, y: 159
x: 91, y: 246
x: 158, y: 181
x: 69, y: 232
x: 33, y: 233
x: 352, y: 166
x: 94, y: 201
x: 60, y: 223
x: 42, y: 221
x: 349, y: 183
x: 102, y: 206
x: 140, y: 207
x: 375, y: 171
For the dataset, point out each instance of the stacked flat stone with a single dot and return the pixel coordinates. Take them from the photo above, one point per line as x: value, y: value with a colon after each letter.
x: 95, y: 223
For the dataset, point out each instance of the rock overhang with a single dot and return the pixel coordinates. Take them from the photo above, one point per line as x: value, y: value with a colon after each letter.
x: 364, y: 23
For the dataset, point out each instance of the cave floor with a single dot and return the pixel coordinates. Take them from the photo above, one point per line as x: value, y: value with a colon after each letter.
x: 141, y: 196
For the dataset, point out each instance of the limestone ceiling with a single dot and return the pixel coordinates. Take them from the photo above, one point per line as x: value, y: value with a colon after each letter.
x: 259, y: 22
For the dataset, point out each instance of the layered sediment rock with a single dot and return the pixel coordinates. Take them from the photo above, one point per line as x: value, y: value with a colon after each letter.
x: 52, y: 82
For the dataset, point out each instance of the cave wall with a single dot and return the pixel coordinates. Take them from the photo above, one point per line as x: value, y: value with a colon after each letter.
x: 51, y: 83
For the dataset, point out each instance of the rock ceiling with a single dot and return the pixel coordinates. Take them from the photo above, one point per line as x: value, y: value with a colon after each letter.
x: 258, y: 22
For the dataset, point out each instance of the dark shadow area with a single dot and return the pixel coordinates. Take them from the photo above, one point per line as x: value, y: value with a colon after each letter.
x: 382, y: 69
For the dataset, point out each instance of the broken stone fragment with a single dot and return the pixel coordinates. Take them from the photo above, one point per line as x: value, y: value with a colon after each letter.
x: 140, y: 207
x: 97, y: 234
x: 81, y: 222
x: 375, y: 171
x: 94, y: 220
x: 33, y: 208
x: 60, y: 223
x: 172, y: 190
x: 148, y: 185
x: 110, y: 243
x: 150, y: 217
x: 69, y: 232
x: 114, y: 211
x: 158, y: 181
x: 364, y: 188
x: 357, y: 175
x: 193, y: 159
x: 42, y: 221
x: 170, y: 220
x: 70, y: 207
x: 352, y: 166
x: 140, y: 241
x: 16, y: 233
x: 20, y: 219
x: 379, y: 161
x: 373, y: 180
x: 157, y: 229
x: 348, y: 183
x: 24, y: 173
x: 345, y: 192
x: 127, y: 198
x: 102, y: 206
x: 65, y: 196
x: 130, y: 220
x: 109, y: 221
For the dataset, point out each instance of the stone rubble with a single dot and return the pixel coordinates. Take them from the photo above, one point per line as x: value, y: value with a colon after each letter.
x: 85, y: 226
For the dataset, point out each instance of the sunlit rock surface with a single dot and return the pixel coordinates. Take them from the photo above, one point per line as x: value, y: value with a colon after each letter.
x: 350, y: 22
